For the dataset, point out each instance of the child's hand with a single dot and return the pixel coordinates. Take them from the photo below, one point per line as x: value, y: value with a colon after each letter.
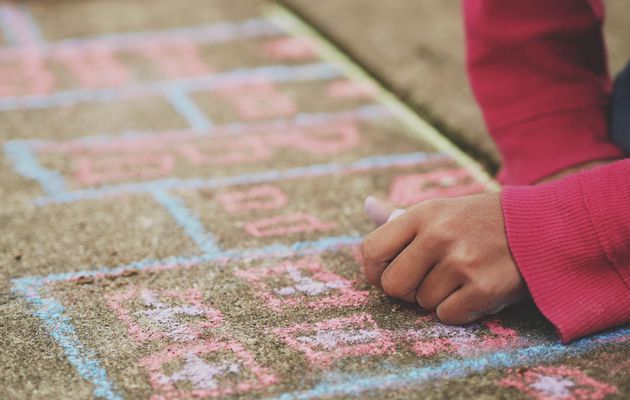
x: 449, y: 255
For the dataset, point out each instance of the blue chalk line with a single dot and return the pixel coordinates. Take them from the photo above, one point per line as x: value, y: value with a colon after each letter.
x: 187, y: 220
x: 26, y: 164
x: 189, y: 110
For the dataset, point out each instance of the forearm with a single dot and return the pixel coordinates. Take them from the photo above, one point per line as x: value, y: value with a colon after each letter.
x: 539, y: 72
x: 571, y: 241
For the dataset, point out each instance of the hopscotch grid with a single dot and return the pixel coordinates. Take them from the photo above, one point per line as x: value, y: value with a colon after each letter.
x: 51, y: 312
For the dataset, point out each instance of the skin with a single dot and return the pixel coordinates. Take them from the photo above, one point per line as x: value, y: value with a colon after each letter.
x: 451, y: 256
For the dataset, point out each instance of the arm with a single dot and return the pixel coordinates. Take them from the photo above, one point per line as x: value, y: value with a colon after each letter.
x: 538, y: 69
x: 571, y: 241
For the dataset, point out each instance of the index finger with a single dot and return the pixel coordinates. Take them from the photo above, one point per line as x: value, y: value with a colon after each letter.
x: 381, y: 246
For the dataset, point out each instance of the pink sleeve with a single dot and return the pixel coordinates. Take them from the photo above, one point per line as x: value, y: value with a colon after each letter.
x: 538, y: 69
x: 571, y: 241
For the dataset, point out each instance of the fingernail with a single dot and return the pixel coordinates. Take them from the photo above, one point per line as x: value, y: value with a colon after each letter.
x: 395, y: 214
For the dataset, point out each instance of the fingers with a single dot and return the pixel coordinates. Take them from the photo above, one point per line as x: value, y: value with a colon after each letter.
x: 385, y: 243
x: 404, y: 274
x: 465, y: 305
x: 440, y: 282
x: 379, y: 211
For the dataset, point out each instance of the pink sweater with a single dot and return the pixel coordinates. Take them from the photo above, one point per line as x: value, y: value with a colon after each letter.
x: 538, y: 69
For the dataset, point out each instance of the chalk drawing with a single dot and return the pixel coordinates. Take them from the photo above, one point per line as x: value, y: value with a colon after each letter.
x: 205, y: 371
x: 440, y: 339
x: 94, y: 67
x: 413, y: 188
x: 326, y: 342
x: 351, y: 90
x: 308, y: 284
x: 557, y: 383
x: 100, y: 169
x: 176, y: 58
x: 263, y: 197
x: 258, y: 100
x: 152, y: 314
x: 283, y: 225
x: 26, y: 74
x: 290, y: 49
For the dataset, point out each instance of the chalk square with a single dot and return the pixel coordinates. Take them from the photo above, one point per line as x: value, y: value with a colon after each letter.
x: 305, y: 283
x: 211, y: 368
x: 328, y: 341
x: 164, y: 314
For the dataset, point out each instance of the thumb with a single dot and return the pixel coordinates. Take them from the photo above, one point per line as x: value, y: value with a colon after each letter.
x: 380, y: 211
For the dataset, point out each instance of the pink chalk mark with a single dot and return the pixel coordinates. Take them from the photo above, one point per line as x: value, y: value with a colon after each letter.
x: 290, y: 48
x: 465, y: 340
x: 207, y: 378
x: 26, y: 75
x: 159, y: 316
x: 264, y: 197
x: 243, y: 150
x: 284, y: 225
x: 557, y: 383
x: 351, y: 90
x: 311, y: 286
x: 414, y: 188
x: 258, y: 100
x: 176, y: 58
x: 94, y: 170
x: 95, y: 66
x: 325, y: 342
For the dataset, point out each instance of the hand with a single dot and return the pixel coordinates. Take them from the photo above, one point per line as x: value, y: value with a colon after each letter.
x: 450, y: 256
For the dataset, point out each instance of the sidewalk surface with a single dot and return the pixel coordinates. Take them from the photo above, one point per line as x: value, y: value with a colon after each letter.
x: 181, y: 207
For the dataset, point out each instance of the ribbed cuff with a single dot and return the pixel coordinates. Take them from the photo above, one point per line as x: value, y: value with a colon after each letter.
x: 541, y: 146
x: 562, y: 255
